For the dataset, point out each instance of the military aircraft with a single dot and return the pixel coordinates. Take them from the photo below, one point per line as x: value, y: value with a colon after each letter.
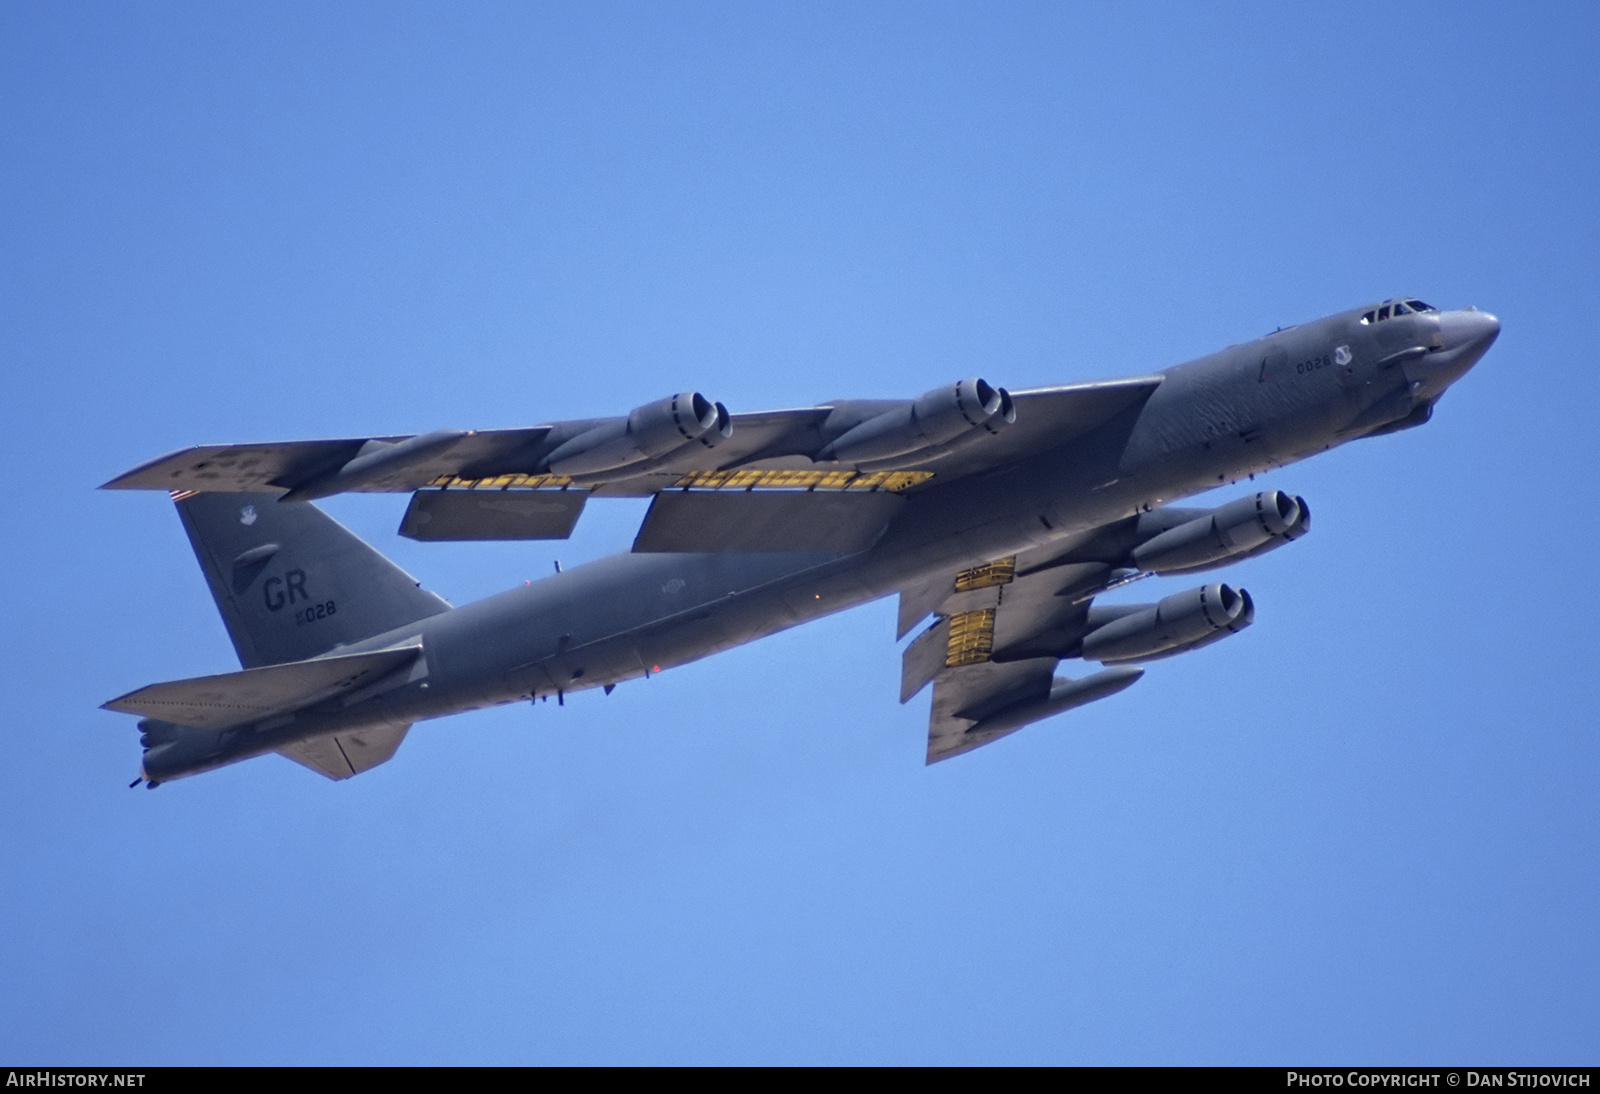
x: 1002, y: 515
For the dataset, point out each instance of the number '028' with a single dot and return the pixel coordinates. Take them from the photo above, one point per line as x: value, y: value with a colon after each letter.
x: 315, y: 612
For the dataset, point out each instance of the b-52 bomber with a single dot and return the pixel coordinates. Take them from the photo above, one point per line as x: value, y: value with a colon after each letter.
x: 1000, y: 515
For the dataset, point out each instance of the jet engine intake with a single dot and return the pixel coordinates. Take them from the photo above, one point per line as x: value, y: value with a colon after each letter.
x: 938, y: 420
x: 1237, y: 530
x: 653, y: 431
x: 1179, y: 623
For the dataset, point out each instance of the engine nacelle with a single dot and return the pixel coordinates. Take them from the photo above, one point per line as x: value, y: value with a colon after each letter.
x: 649, y: 433
x: 1179, y: 623
x: 935, y: 420
x: 1248, y: 526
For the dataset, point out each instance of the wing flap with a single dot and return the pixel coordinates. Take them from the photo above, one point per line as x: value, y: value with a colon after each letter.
x: 769, y: 521
x: 454, y: 515
x: 924, y: 659
x: 241, y: 698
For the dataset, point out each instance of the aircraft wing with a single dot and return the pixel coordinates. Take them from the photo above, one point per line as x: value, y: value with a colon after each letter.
x: 549, y: 470
x: 248, y: 468
x: 1000, y: 629
x: 991, y: 653
x: 1047, y: 418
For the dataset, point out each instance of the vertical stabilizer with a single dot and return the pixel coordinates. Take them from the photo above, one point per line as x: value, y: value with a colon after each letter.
x: 292, y: 582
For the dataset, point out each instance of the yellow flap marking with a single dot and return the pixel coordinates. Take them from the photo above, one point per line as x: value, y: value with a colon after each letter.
x: 999, y: 572
x: 755, y: 479
x: 971, y: 638
x: 500, y: 482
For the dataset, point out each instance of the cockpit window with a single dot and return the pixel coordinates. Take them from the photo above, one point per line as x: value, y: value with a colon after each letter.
x: 1395, y: 308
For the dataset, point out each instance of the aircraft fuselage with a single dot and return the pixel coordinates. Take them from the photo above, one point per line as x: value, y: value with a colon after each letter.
x: 1215, y: 420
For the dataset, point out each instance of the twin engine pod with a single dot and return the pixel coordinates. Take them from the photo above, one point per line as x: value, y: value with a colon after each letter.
x: 644, y: 439
x: 1179, y: 623
x: 940, y: 421
x: 1238, y: 530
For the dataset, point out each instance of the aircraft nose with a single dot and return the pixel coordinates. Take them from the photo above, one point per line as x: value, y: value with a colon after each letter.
x: 1464, y: 337
x: 1469, y: 329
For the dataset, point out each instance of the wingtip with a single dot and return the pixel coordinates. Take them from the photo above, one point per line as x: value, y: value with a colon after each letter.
x: 127, y: 480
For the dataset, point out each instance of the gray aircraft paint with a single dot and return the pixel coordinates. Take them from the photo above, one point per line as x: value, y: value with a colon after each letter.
x: 1215, y: 420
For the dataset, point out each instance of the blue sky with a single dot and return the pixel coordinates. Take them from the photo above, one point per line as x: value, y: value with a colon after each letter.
x: 1363, y: 831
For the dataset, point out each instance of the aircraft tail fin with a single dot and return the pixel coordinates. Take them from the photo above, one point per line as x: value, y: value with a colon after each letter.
x: 290, y: 581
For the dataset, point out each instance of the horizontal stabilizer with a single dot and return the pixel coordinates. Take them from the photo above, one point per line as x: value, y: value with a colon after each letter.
x: 768, y: 521
x: 341, y: 755
x: 241, y: 698
x: 436, y: 515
